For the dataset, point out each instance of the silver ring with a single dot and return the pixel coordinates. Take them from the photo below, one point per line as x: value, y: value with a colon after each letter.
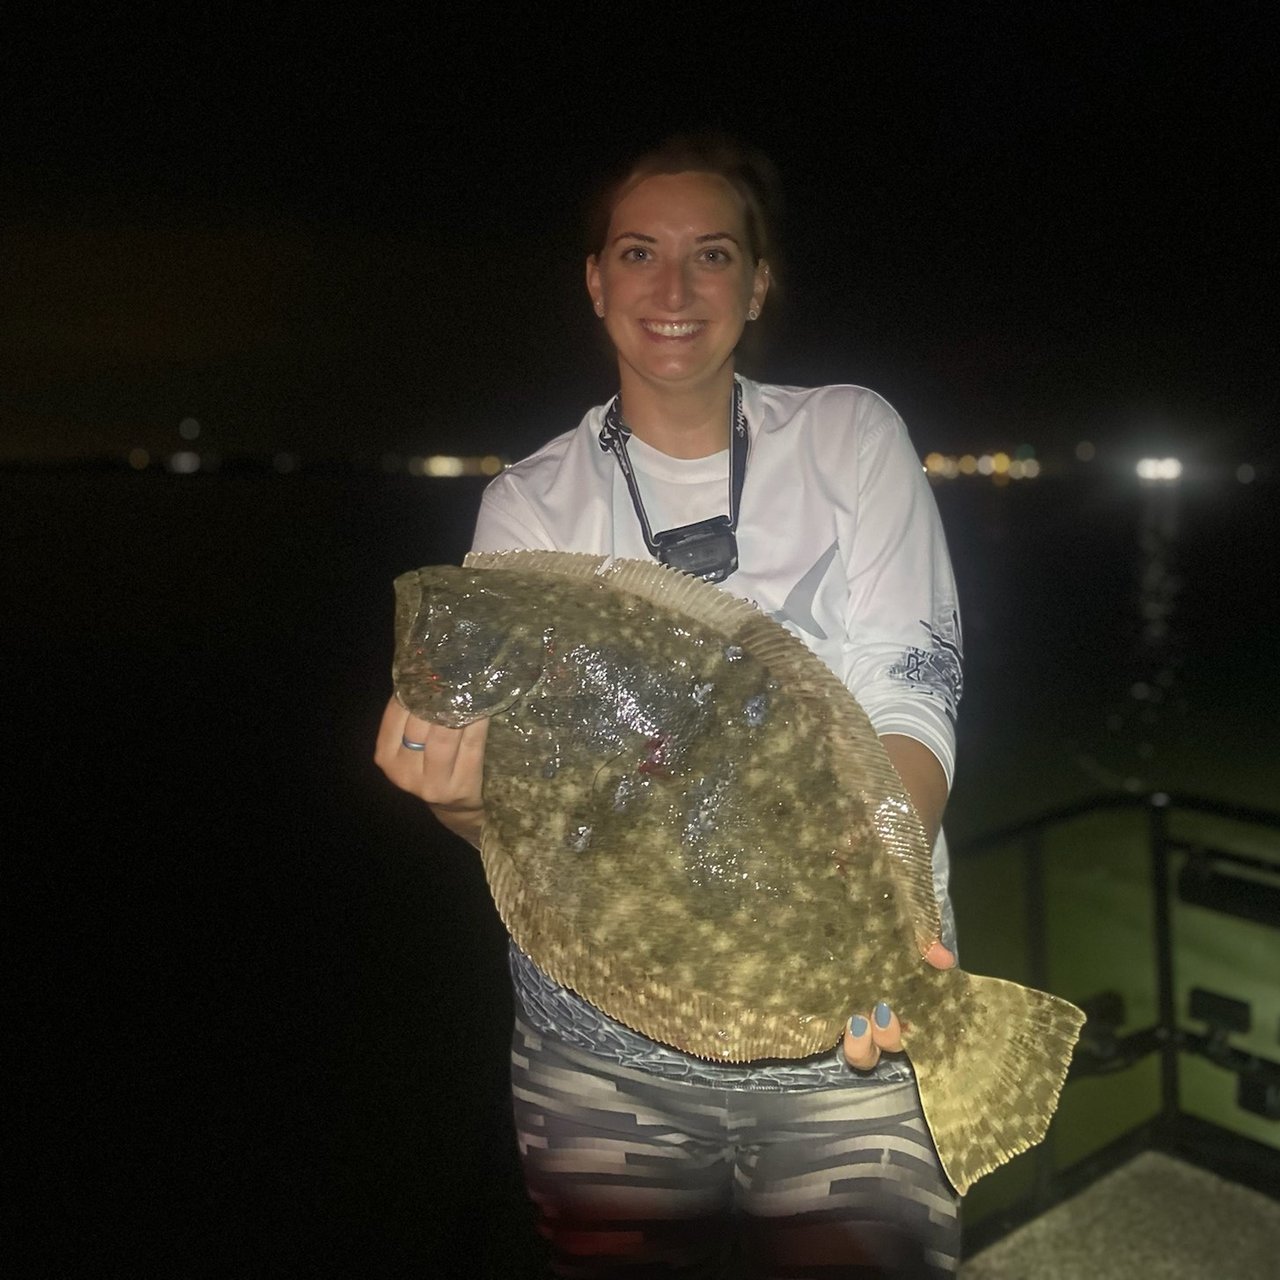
x: 412, y: 746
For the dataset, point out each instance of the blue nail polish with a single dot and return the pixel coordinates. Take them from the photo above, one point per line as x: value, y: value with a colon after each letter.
x: 882, y: 1013
x: 857, y: 1025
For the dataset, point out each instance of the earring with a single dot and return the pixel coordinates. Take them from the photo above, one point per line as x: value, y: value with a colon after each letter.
x: 753, y: 312
x: 599, y: 308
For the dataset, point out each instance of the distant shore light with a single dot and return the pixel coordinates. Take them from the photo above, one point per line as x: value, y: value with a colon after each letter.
x: 1164, y: 469
x: 442, y: 465
x: 1245, y: 473
x: 189, y: 428
x: 967, y: 464
x: 1085, y: 451
x: 139, y: 459
x: 185, y: 462
x: 450, y: 466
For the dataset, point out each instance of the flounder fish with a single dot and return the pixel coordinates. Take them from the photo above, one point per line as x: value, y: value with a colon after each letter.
x: 692, y: 823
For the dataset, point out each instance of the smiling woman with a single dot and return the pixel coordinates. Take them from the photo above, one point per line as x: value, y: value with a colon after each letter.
x: 675, y: 282
x: 811, y: 504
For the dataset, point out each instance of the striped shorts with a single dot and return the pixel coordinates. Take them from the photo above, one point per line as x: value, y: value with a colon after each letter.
x: 637, y: 1176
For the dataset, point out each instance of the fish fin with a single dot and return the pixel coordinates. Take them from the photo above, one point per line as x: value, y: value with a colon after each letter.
x: 699, y: 601
x: 565, y: 564
x: 989, y: 1091
x: 646, y: 579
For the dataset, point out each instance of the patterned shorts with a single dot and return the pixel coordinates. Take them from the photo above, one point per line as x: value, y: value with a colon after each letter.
x: 637, y: 1176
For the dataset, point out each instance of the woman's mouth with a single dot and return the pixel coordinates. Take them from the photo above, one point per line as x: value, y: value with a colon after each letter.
x: 673, y: 328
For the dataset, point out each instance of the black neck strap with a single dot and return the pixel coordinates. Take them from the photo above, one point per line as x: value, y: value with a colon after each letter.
x: 613, y: 439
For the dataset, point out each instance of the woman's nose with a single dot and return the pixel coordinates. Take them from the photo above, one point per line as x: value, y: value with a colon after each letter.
x: 673, y: 285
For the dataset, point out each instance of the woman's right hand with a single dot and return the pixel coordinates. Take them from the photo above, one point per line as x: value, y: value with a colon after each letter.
x: 446, y: 771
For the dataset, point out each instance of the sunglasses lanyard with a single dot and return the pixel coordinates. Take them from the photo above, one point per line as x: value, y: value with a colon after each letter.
x: 613, y: 439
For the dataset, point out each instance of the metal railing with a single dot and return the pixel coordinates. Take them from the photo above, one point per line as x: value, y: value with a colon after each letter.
x: 1207, y: 878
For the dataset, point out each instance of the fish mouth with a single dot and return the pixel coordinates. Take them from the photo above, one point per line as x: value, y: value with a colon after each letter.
x: 466, y: 672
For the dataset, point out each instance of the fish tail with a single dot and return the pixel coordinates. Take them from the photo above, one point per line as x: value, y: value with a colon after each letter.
x: 989, y: 1090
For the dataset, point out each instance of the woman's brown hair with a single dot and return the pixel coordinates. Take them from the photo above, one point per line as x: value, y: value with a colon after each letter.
x: 750, y: 173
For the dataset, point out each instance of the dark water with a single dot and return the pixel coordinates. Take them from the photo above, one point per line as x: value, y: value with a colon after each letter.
x: 261, y: 1004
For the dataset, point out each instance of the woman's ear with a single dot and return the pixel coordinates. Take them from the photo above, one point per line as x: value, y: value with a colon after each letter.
x: 759, y: 286
x: 595, y: 286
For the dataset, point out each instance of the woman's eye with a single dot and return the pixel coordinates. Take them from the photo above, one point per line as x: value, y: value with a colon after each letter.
x: 635, y: 253
x: 716, y: 257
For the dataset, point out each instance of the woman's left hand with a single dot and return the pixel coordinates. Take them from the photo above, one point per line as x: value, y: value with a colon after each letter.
x: 868, y: 1035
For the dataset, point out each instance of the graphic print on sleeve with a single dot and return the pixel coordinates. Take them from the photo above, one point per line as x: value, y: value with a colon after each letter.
x: 937, y: 668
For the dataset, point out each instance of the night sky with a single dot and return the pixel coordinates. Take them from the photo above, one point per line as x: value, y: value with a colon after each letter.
x: 346, y: 237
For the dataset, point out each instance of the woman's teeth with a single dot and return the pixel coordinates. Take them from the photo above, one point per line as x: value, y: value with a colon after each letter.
x: 672, y: 329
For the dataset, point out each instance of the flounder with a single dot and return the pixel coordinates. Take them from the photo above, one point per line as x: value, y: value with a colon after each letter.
x: 692, y: 823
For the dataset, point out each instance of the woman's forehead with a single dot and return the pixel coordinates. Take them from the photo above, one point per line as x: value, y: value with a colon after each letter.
x: 678, y: 198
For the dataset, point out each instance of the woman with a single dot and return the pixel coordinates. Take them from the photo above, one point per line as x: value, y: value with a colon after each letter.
x: 641, y: 1158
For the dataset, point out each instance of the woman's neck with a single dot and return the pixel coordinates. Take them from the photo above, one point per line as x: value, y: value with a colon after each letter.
x: 685, y: 423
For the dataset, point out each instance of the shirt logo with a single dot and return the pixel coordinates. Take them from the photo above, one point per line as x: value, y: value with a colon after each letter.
x: 797, y: 608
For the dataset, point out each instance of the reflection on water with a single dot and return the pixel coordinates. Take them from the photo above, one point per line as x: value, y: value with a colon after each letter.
x: 1117, y: 637
x: 1150, y: 711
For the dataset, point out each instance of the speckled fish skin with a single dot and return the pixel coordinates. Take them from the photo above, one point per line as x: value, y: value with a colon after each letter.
x: 691, y: 822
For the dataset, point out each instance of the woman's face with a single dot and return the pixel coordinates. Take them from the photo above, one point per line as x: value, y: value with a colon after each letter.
x: 675, y: 279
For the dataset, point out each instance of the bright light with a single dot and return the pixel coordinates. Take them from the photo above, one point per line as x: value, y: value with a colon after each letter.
x: 139, y: 459
x: 184, y: 463
x: 490, y: 464
x: 999, y: 467
x: 1159, y: 469
x: 188, y: 428
x: 441, y: 465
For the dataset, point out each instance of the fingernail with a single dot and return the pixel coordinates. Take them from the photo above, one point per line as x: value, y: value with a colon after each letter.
x: 857, y: 1025
x: 882, y: 1013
